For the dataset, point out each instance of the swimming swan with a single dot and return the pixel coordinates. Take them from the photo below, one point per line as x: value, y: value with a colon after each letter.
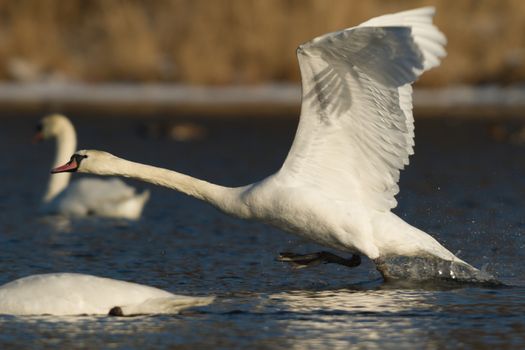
x: 78, y: 294
x: 89, y: 196
x: 356, y: 132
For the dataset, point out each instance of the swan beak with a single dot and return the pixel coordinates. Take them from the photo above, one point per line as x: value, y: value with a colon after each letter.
x: 69, y: 167
x: 38, y: 137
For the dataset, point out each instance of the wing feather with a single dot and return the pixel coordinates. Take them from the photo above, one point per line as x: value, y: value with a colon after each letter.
x: 356, y: 130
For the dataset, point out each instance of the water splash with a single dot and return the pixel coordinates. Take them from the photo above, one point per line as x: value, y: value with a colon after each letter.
x: 431, y: 268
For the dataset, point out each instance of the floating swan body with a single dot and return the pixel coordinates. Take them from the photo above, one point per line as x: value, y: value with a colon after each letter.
x: 356, y: 132
x: 79, y: 294
x: 106, y: 198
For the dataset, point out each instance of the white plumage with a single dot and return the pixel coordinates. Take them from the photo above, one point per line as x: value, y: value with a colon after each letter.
x: 356, y: 124
x: 98, y: 197
x: 355, y: 134
x: 79, y: 294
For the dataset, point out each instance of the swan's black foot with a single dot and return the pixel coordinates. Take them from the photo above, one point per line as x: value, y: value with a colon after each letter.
x: 306, y: 260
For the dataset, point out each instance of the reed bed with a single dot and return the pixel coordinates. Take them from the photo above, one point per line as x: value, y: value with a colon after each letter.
x: 234, y: 41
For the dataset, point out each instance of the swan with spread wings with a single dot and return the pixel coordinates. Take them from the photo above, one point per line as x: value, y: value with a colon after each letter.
x: 356, y: 132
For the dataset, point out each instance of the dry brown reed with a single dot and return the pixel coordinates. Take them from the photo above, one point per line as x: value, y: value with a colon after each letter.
x: 234, y: 41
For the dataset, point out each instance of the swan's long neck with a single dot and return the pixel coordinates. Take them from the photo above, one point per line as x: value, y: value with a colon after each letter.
x: 224, y: 198
x: 66, y: 145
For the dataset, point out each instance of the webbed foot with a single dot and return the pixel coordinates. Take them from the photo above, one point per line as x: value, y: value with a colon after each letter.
x: 307, y: 260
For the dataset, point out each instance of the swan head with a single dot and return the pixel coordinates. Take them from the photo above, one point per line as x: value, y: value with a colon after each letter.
x: 52, y: 126
x: 88, y: 161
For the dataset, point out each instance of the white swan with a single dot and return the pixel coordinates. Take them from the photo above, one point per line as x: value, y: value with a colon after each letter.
x: 107, y: 198
x: 78, y: 294
x: 355, y: 134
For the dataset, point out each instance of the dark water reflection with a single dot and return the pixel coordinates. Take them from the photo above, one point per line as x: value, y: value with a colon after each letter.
x: 462, y: 186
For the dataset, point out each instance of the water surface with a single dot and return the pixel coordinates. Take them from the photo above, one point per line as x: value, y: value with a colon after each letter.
x: 462, y: 186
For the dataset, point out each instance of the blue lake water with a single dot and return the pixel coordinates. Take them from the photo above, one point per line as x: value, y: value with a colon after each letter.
x: 462, y: 186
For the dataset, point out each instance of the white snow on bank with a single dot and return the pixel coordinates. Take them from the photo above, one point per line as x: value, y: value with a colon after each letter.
x: 284, y: 95
x: 162, y: 94
x: 469, y: 96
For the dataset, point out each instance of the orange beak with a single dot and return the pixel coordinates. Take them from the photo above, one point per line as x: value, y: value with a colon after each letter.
x: 38, y: 137
x: 69, y: 167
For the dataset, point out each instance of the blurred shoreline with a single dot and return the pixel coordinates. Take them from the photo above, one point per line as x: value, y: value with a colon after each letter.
x: 279, y: 100
x: 232, y: 42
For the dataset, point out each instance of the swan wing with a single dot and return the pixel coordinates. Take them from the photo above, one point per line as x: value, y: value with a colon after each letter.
x: 107, y: 197
x: 94, y: 192
x: 356, y: 129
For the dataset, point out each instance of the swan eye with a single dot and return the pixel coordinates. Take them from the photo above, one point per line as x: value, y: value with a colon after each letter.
x: 39, y: 127
x: 78, y: 158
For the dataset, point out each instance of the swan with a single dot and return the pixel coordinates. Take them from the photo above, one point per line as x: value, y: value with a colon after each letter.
x: 338, y: 183
x: 89, y: 196
x: 62, y: 294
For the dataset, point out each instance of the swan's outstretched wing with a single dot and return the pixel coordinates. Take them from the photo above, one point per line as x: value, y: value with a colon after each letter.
x: 356, y: 129
x: 105, y: 197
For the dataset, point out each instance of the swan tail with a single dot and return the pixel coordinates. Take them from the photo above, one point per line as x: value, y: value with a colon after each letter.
x: 144, y: 196
x: 140, y: 201
x: 167, y: 305
x: 131, y: 208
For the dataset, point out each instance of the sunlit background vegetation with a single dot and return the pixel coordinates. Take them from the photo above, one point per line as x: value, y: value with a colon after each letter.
x: 234, y: 41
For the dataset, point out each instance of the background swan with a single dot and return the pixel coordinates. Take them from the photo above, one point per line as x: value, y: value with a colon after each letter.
x: 90, y: 196
x: 79, y: 294
x: 356, y: 132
